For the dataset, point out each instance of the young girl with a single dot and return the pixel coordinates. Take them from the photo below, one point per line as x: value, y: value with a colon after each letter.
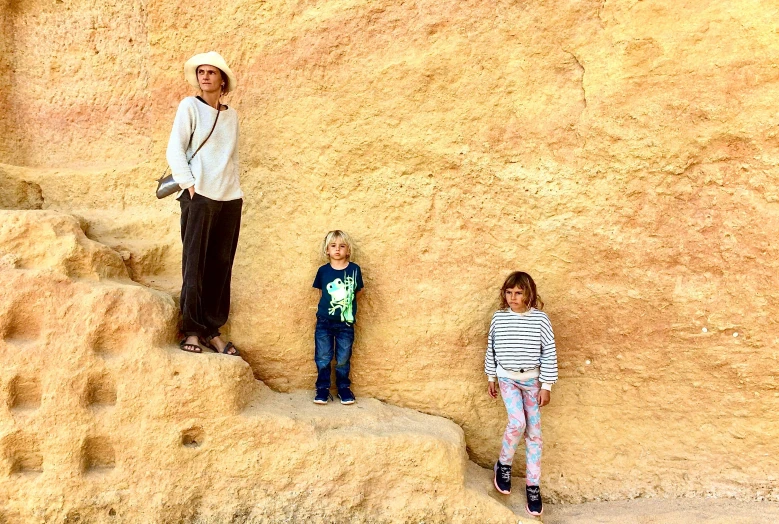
x: 521, y: 354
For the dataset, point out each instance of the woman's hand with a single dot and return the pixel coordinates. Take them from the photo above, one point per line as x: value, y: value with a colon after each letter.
x: 544, y: 396
x: 191, y: 190
x: 492, y: 389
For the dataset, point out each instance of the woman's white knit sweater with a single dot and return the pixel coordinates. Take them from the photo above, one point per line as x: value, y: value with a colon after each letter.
x: 214, y: 170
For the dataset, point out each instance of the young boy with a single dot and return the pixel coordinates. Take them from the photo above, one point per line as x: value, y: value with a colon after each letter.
x: 340, y: 281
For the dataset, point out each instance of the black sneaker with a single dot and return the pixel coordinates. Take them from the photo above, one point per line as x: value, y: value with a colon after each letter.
x: 534, y: 505
x: 322, y: 396
x: 346, y: 395
x: 502, y: 478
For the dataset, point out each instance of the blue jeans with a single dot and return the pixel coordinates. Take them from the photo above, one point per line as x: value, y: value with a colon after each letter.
x: 332, y: 338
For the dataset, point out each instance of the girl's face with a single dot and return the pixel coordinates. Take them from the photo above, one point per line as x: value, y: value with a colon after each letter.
x: 209, y: 78
x: 516, y: 299
x: 337, y: 250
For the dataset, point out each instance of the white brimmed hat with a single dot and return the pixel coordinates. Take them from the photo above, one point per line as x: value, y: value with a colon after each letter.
x: 211, y: 58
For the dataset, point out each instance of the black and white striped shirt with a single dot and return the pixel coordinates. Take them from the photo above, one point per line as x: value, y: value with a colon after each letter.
x: 520, y: 342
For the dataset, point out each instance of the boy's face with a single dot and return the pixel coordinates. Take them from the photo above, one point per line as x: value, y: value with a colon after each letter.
x: 516, y: 299
x: 337, y: 250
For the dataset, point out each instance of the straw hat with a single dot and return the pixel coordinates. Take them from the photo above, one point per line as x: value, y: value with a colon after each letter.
x: 211, y: 58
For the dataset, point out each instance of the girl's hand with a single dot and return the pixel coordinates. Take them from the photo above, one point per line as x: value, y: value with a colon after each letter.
x: 544, y: 396
x: 492, y: 389
x: 191, y: 191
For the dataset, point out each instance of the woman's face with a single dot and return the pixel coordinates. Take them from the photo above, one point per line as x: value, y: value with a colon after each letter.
x: 210, y: 79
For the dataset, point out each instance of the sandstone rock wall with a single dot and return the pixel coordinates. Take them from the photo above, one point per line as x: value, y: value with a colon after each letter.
x: 6, y: 52
x: 79, y: 83
x: 623, y: 152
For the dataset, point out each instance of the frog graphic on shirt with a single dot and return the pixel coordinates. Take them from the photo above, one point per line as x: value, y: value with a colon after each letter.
x: 342, y: 297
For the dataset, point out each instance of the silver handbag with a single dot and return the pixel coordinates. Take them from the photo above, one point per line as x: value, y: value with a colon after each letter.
x: 166, y: 186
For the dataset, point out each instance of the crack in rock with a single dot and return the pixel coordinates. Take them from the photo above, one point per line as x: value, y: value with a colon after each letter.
x: 581, y: 78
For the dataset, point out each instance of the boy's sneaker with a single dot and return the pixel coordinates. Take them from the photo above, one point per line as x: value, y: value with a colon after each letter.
x: 322, y: 396
x: 502, y: 478
x: 534, y: 505
x: 346, y: 395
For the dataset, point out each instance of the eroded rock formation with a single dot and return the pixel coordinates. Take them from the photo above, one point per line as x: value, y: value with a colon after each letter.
x: 103, y: 419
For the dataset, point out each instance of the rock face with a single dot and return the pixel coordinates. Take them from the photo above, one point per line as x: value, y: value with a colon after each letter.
x: 623, y: 152
x: 103, y: 420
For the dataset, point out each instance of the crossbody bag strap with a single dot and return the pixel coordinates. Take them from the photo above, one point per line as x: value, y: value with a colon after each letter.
x: 209, y: 134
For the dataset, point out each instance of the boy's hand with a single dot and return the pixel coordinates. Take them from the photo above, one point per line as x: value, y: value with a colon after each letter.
x: 492, y: 389
x: 544, y: 396
x: 191, y: 190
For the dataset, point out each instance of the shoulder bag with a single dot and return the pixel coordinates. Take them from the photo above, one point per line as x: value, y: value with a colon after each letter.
x: 166, y: 186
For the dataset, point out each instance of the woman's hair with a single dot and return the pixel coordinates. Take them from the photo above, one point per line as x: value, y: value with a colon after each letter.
x: 337, y: 234
x: 524, y: 282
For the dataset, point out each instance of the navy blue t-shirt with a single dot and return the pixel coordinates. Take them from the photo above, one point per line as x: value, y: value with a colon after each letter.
x: 339, y: 288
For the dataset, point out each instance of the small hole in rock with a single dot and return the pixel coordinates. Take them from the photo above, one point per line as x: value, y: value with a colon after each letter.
x: 23, y: 454
x: 192, y: 437
x: 24, y: 393
x: 31, y: 462
x: 101, y: 390
x: 97, y: 455
x: 109, y: 341
x: 24, y: 322
x: 112, y: 512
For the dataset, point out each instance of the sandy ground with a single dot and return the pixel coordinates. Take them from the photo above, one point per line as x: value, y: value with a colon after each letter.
x: 680, y: 511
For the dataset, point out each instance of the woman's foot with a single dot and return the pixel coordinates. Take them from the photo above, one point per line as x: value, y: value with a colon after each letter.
x: 190, y: 345
x: 220, y: 346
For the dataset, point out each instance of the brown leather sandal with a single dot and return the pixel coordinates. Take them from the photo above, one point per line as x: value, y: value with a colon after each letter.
x: 183, y: 345
x: 234, y: 353
x: 227, y: 351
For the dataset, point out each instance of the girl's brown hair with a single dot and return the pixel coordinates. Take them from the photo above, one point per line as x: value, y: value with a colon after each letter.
x: 524, y: 282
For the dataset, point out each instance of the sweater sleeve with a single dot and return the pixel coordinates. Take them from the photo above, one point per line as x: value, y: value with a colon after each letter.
x: 180, y: 136
x: 489, y: 357
x: 235, y: 151
x: 548, y: 374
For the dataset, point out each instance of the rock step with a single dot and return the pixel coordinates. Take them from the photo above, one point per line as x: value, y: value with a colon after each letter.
x: 126, y: 187
x: 143, y: 230
x: 148, y: 242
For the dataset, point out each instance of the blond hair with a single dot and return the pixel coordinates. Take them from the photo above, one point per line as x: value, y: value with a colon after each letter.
x: 337, y: 234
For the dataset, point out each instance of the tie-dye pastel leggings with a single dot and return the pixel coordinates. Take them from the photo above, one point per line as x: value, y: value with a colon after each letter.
x: 521, y: 399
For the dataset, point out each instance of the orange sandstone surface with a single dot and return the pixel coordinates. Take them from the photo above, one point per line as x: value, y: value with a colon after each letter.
x: 625, y: 153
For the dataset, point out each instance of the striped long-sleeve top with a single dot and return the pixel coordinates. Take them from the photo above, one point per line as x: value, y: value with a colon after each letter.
x: 519, y: 342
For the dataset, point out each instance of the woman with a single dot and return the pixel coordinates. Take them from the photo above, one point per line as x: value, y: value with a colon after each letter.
x: 211, y: 200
